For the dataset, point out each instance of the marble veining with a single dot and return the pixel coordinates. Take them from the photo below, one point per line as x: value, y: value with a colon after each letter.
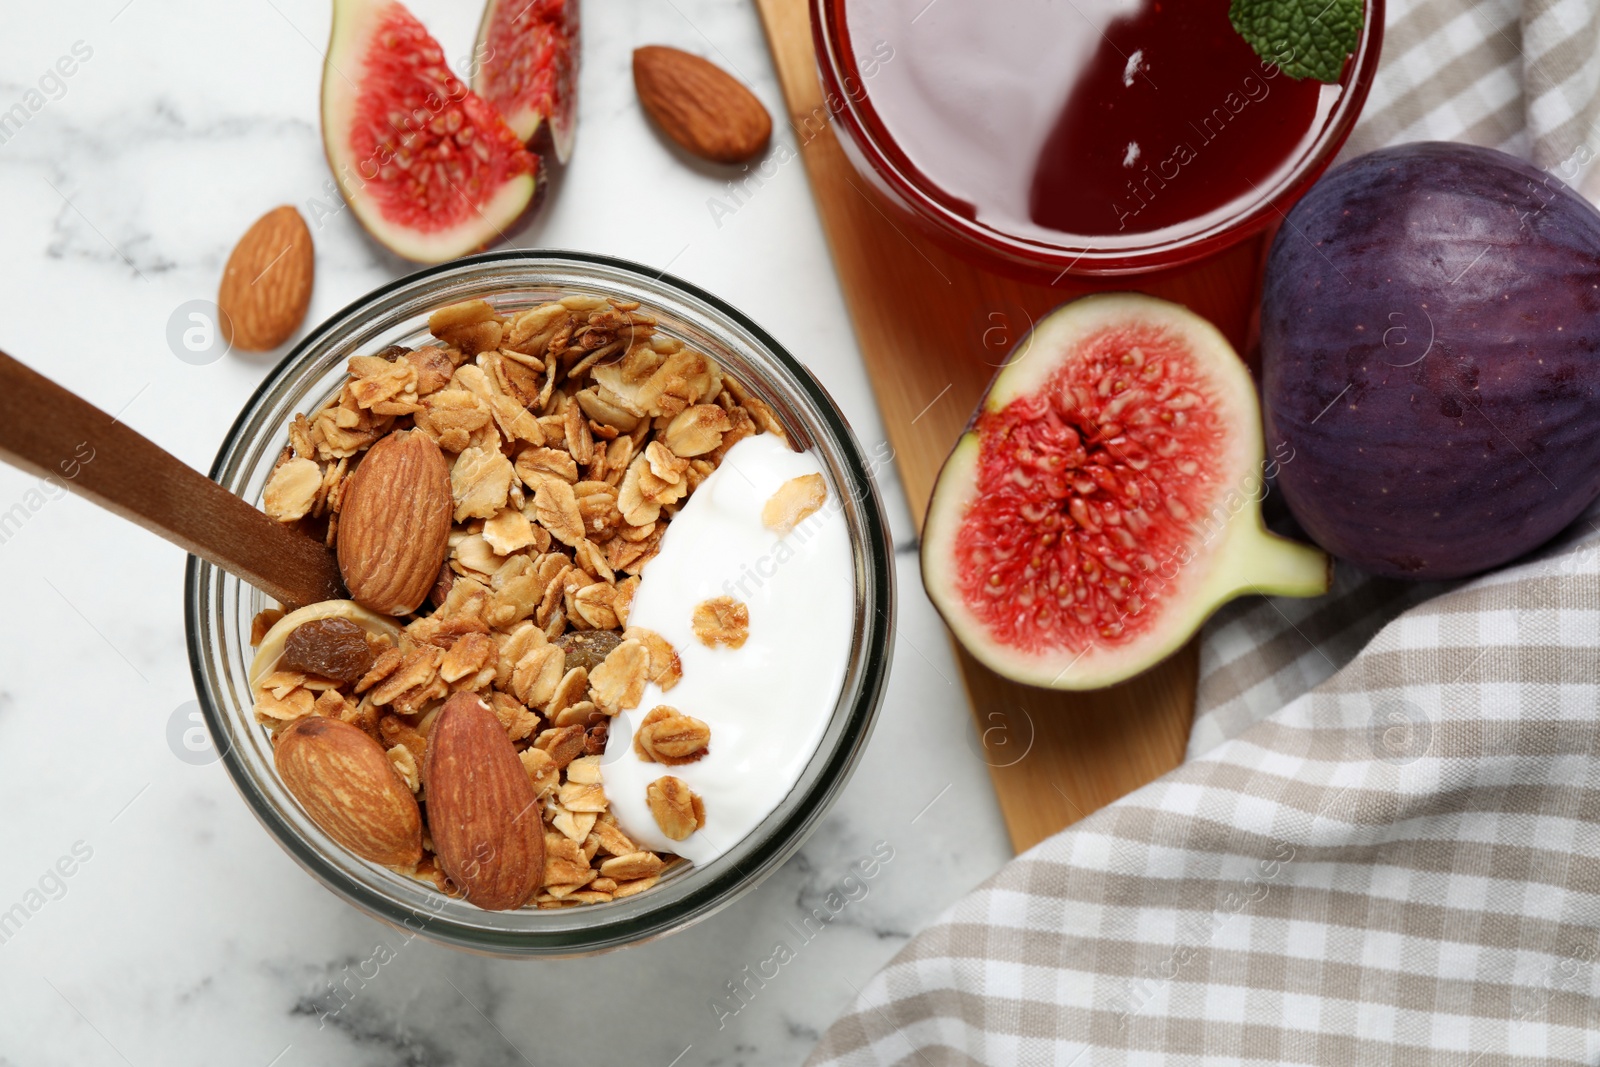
x: 183, y: 935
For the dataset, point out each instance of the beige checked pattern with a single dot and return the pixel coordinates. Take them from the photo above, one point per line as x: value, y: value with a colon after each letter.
x: 1385, y: 846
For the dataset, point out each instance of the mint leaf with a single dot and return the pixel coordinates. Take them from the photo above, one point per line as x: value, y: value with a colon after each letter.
x: 1305, y: 38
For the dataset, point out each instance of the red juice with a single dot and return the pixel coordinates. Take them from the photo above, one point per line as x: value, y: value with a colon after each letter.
x: 1101, y: 123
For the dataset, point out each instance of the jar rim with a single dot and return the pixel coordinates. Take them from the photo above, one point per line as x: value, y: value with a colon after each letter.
x: 1043, y: 260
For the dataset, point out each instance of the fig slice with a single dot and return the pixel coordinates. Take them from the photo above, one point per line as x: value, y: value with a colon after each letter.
x: 527, y: 67
x: 1105, y: 498
x: 431, y: 170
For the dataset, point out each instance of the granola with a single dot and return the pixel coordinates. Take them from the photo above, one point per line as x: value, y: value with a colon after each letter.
x: 574, y: 432
x: 795, y: 501
x: 722, y: 621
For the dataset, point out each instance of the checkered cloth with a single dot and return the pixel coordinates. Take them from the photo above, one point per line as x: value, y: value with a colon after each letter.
x: 1385, y: 846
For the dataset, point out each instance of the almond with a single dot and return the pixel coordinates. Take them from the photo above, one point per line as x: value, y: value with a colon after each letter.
x: 700, y: 106
x: 394, y: 523
x: 346, y: 784
x: 266, y: 286
x: 484, y: 816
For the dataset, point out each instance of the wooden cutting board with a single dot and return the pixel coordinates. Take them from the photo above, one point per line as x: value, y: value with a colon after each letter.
x: 932, y: 329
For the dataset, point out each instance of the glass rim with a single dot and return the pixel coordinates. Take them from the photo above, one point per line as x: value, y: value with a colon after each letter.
x: 859, y: 699
x: 1038, y: 258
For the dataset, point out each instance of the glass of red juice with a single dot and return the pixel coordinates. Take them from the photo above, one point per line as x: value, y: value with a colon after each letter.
x: 1050, y: 139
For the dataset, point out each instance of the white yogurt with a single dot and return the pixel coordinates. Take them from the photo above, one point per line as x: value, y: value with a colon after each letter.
x: 768, y: 702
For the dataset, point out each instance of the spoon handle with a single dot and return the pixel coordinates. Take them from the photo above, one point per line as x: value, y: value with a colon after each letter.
x: 50, y: 432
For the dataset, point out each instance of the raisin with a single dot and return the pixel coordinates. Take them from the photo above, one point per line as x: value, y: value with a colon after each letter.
x: 594, y: 741
x: 588, y: 648
x: 328, y: 648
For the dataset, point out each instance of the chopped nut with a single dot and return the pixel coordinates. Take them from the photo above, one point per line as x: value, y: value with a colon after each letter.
x: 722, y: 621
x: 292, y: 490
x: 467, y: 656
x: 394, y: 730
x: 296, y: 704
x: 281, y: 683
x: 421, y: 667
x: 678, y: 811
x: 331, y: 704
x: 795, y: 501
x: 386, y: 664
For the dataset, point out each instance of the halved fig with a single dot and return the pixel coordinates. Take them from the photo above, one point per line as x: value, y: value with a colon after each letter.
x: 431, y: 170
x: 1106, y: 498
x: 527, y: 67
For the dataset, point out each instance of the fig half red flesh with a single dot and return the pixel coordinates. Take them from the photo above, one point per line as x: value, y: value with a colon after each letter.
x: 527, y: 67
x: 431, y: 170
x: 1106, y: 498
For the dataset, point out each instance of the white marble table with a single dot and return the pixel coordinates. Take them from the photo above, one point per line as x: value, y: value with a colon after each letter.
x: 182, y: 934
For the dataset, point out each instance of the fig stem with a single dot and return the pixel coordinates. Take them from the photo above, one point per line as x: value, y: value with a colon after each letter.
x: 1277, y: 566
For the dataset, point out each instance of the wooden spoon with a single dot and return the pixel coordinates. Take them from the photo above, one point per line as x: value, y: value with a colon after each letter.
x: 50, y: 432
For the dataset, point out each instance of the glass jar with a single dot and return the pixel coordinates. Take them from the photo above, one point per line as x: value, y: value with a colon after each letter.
x: 1037, y: 253
x: 219, y: 607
